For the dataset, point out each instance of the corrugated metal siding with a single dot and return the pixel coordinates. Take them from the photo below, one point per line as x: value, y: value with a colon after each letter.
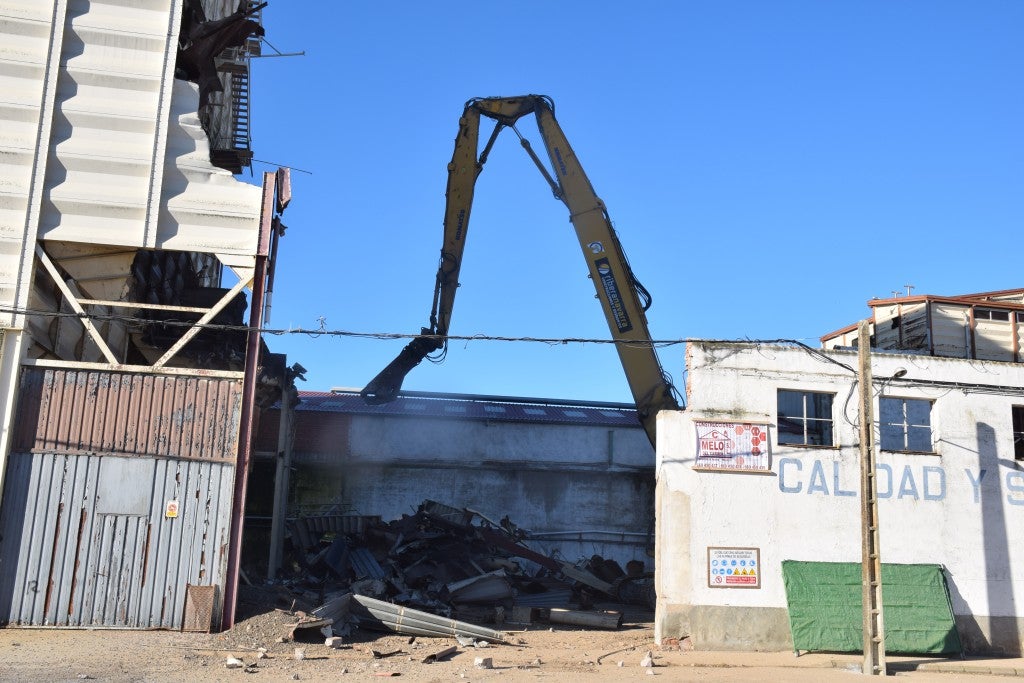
x: 88, y: 411
x: 1018, y: 329
x: 847, y: 339
x: 901, y: 326
x: 128, y: 163
x: 951, y: 330
x: 887, y: 335
x: 86, y: 538
x: 70, y: 557
x: 914, y: 324
x: 27, y: 30
x: 993, y: 340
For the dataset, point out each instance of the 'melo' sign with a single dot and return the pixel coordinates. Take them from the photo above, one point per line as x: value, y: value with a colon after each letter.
x: 732, y: 446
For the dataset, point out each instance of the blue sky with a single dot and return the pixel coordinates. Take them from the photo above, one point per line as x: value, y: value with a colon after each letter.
x: 769, y: 166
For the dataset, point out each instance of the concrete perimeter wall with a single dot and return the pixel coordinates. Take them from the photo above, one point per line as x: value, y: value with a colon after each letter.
x: 583, y: 489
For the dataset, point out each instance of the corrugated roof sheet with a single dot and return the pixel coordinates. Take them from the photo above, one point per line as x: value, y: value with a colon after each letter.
x: 461, y: 407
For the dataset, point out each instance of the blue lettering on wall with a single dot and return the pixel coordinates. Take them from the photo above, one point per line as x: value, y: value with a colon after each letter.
x: 885, y: 492
x: 784, y: 463
x: 908, y: 487
x: 933, y: 490
x: 835, y: 482
x: 1015, y: 484
x: 975, y: 483
x: 924, y: 482
x: 817, y: 483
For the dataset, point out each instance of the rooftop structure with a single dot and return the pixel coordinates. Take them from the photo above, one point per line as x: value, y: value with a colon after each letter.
x: 984, y: 326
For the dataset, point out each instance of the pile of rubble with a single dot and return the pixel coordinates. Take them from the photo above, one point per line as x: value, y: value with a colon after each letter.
x: 444, y: 569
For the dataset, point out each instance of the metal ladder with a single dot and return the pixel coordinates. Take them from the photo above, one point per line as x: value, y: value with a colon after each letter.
x: 874, y: 633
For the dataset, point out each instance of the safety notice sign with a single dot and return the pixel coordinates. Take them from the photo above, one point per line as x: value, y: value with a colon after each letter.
x: 734, y: 567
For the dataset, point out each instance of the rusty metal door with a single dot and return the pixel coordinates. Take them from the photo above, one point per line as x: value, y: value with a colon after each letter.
x: 117, y: 497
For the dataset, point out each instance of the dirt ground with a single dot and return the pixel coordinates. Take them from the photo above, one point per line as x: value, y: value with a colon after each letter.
x: 535, y: 652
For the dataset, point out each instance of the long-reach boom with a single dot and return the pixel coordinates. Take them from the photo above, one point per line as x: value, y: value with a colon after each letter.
x: 622, y: 297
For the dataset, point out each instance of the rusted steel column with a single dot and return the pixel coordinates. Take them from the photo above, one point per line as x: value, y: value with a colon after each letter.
x: 245, y: 436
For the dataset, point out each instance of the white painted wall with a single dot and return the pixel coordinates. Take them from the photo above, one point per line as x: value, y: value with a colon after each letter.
x: 962, y: 507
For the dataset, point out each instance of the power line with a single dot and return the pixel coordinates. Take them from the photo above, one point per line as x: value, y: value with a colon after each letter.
x: 322, y: 331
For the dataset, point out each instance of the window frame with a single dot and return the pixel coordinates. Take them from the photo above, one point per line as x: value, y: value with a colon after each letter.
x: 995, y: 315
x: 1017, y: 425
x: 804, y: 419
x: 906, y: 426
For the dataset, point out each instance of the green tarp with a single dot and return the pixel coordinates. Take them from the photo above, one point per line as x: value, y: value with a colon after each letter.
x: 825, y: 613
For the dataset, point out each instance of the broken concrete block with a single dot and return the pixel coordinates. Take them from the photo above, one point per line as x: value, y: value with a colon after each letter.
x: 300, y: 653
x: 648, y: 660
x: 233, y: 663
x: 333, y: 642
x: 483, y: 663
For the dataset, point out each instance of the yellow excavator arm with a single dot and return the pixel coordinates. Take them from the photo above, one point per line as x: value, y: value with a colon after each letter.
x: 623, y: 298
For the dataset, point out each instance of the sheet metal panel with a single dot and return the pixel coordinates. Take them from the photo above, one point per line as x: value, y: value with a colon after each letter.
x: 915, y: 327
x: 117, y: 497
x: 30, y: 39
x: 901, y: 326
x: 951, y: 330
x: 993, y: 340
x: 128, y: 162
x: 63, y: 562
x: 1018, y: 331
x: 90, y: 411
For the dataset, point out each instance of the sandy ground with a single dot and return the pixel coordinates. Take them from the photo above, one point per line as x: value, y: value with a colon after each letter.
x: 537, y: 652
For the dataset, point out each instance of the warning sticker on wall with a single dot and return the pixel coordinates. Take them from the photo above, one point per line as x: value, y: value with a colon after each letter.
x: 734, y: 567
x: 732, y: 446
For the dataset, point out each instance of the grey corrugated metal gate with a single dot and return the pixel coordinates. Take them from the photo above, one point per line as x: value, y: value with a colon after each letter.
x: 117, y: 497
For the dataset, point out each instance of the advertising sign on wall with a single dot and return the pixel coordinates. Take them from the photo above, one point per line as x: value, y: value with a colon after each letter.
x: 734, y: 567
x: 732, y: 446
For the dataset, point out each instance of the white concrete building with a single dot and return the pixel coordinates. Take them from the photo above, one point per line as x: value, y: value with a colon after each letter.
x: 950, y: 482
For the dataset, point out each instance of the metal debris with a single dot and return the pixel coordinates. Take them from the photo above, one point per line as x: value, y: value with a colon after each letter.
x: 378, y: 614
x: 438, y: 573
x: 441, y: 654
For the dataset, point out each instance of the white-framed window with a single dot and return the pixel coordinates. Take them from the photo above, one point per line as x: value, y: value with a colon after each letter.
x: 905, y: 424
x: 804, y: 418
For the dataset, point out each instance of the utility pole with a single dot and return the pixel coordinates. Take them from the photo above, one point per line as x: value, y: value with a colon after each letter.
x: 871, y: 560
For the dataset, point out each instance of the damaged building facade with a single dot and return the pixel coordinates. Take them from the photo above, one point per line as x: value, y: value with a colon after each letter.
x: 487, y: 509
x: 576, y: 477
x: 124, y: 240
x: 762, y: 471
